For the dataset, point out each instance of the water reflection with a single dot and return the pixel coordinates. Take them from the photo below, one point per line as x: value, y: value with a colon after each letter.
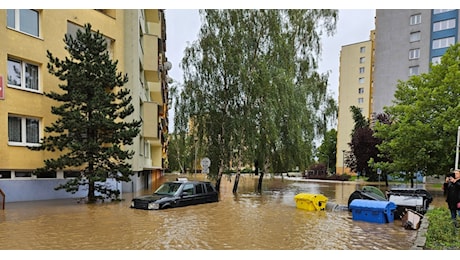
x: 247, y: 220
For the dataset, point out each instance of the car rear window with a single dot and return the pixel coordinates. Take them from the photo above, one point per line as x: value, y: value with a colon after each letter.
x: 209, y: 187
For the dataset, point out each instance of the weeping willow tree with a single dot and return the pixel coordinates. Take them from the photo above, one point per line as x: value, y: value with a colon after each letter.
x: 251, y: 91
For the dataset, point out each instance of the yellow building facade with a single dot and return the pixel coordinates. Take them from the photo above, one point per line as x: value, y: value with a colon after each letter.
x: 355, y: 89
x: 135, y: 37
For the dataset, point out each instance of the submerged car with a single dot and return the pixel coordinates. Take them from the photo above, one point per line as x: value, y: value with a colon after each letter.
x: 177, y: 194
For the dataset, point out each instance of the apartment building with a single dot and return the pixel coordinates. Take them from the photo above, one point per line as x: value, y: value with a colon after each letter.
x: 136, y: 38
x: 406, y: 42
x: 355, y: 81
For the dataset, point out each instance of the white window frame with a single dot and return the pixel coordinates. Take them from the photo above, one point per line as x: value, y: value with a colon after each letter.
x: 443, y: 42
x: 414, y: 70
x: 362, y: 59
x: 362, y: 49
x: 444, y: 25
x: 436, y: 60
x: 24, y: 75
x: 24, y: 131
x: 361, y: 70
x: 360, y: 90
x: 361, y: 80
x: 17, y: 22
x: 415, y: 36
x: 414, y: 54
x: 415, y: 19
x: 360, y: 100
x: 440, y: 11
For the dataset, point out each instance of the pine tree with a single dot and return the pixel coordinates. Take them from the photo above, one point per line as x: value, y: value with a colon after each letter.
x: 91, y: 132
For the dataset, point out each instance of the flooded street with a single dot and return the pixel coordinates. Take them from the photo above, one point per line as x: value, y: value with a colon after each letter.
x: 267, y: 221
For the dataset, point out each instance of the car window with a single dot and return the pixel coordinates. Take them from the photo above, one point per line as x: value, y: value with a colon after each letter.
x: 209, y: 187
x: 199, y: 188
x: 188, y: 187
x: 168, y: 188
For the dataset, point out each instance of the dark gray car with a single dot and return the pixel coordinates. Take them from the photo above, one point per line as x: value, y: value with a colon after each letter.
x: 177, y: 194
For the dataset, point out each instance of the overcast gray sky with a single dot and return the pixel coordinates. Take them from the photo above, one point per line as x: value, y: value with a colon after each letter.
x: 354, y: 25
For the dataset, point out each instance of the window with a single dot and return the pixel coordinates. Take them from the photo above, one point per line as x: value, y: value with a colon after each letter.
x: 23, y: 20
x: 439, y: 11
x: 444, y: 25
x: 415, y: 19
x: 414, y: 54
x: 199, y: 188
x: 361, y: 80
x: 47, y: 175
x: 22, y: 174
x: 436, y: 60
x: 209, y: 188
x: 360, y: 100
x: 188, y: 188
x: 361, y: 70
x: 413, y: 70
x: 362, y: 49
x: 362, y: 59
x: 443, y: 42
x: 414, y: 37
x: 361, y: 91
x: 71, y: 174
x: 72, y: 31
x: 22, y: 130
x: 22, y: 75
x: 5, y: 175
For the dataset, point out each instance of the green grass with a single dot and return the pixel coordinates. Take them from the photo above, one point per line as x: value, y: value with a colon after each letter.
x: 441, y: 233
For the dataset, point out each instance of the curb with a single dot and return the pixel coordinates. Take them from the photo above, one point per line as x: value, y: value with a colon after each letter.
x: 420, y: 240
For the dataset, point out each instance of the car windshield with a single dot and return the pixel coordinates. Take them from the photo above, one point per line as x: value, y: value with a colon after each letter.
x: 168, y: 188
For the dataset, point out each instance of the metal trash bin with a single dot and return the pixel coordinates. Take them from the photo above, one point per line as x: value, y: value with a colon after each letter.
x: 374, y: 211
x: 311, y: 202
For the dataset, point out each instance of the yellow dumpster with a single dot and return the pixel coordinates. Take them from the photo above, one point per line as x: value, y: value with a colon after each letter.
x: 311, y: 202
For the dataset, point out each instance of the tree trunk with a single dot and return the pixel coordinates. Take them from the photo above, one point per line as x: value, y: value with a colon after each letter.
x: 259, y: 186
x: 91, y: 184
x: 91, y: 195
x: 235, y: 185
x: 219, y: 178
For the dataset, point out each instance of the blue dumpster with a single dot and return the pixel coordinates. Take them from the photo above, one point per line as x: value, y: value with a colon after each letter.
x: 374, y: 211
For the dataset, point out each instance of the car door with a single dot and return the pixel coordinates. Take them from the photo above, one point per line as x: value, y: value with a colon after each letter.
x: 187, y: 196
x: 200, y: 193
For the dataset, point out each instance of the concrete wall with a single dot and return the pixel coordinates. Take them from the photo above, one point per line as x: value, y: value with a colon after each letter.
x: 30, y: 190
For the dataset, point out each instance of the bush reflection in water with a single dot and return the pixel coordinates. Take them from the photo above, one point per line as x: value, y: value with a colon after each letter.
x: 246, y: 220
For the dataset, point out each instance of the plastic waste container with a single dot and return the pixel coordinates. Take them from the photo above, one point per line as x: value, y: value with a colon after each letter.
x: 374, y: 211
x: 411, y: 219
x: 311, y: 202
x: 406, y: 198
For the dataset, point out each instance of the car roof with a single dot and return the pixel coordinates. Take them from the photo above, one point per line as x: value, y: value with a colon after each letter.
x: 185, y: 180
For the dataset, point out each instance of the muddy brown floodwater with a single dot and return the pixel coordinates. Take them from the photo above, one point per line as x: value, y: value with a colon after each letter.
x: 247, y: 220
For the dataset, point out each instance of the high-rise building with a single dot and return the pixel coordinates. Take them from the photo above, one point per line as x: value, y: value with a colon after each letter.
x: 355, y: 81
x: 135, y: 37
x: 406, y: 41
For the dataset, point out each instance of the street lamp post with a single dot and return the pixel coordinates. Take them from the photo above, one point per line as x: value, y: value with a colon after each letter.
x: 343, y: 162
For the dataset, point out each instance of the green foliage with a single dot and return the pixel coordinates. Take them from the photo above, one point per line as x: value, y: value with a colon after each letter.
x: 91, y: 131
x: 425, y: 118
x: 251, y: 90
x: 442, y: 233
x: 326, y: 152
